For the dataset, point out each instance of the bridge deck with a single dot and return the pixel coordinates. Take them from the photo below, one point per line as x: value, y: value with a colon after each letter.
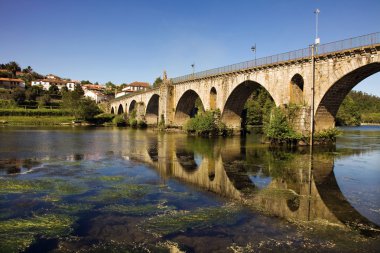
x: 305, y: 53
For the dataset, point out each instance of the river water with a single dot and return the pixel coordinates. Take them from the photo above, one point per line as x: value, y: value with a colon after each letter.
x: 121, y: 190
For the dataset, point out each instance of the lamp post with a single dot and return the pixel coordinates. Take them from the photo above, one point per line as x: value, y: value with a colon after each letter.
x: 192, y: 66
x: 313, y: 52
x: 253, y: 48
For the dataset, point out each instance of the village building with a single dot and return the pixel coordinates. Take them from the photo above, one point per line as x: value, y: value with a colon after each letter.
x: 95, y: 92
x: 133, y: 87
x: 47, y: 82
x: 11, y: 83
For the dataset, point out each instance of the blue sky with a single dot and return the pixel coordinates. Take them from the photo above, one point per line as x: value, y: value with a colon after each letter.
x: 125, y: 41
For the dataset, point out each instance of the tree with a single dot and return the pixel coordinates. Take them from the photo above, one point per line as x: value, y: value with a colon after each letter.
x: 44, y: 100
x: 85, y: 82
x: 18, y: 95
x: 53, y: 89
x: 13, y: 67
x: 64, y: 89
x: 157, y: 83
x: 81, y: 108
x: 27, y: 70
x: 78, y: 89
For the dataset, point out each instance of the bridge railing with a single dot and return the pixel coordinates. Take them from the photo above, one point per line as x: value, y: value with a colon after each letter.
x: 361, y: 41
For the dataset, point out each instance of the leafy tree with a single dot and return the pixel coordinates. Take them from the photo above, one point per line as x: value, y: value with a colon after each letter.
x: 81, y: 108
x: 157, y: 83
x: 53, y: 89
x: 27, y: 70
x: 110, y: 85
x: 349, y: 113
x: 13, y: 67
x: 31, y: 94
x: 85, y: 82
x: 64, y: 89
x: 78, y: 89
x: 18, y: 95
x: 44, y: 100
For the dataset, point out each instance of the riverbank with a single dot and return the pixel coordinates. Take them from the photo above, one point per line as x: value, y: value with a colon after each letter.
x: 35, y: 120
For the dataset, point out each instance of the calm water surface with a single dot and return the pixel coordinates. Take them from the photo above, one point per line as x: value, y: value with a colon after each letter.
x: 121, y: 190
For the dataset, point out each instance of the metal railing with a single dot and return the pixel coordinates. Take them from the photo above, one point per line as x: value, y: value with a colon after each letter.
x: 361, y: 41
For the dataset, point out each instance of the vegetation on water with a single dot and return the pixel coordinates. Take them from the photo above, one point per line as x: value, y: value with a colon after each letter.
x: 18, y: 234
x: 206, y: 124
x: 138, y: 210
x: 278, y: 129
x: 177, y: 221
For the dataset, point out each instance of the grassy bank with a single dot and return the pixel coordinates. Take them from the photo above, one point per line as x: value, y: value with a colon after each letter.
x: 34, y: 120
x: 34, y: 112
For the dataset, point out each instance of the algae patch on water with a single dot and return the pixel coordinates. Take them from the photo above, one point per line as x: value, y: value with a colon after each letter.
x: 17, y: 234
x: 139, y: 210
x: 122, y: 191
x: 177, y: 221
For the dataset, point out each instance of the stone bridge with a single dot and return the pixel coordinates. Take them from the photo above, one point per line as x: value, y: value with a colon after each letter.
x: 317, y: 82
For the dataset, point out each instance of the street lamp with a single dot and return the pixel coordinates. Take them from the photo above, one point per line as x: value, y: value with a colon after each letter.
x: 317, y: 40
x: 313, y: 52
x: 253, y: 48
x: 193, y: 65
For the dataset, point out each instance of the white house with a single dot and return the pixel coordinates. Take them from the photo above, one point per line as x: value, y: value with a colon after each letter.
x: 95, y: 95
x: 46, y: 83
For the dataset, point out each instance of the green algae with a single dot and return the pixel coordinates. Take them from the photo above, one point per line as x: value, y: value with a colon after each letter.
x: 139, y: 210
x: 55, y: 187
x: 71, y: 208
x: 177, y: 221
x: 17, y: 234
x: 110, y: 178
x: 23, y: 186
x: 122, y: 191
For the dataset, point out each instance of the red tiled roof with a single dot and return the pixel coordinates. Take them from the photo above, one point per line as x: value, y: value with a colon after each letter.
x: 139, y: 84
x: 93, y: 87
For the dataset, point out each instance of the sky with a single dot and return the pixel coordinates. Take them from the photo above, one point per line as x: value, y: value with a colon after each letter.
x: 125, y: 41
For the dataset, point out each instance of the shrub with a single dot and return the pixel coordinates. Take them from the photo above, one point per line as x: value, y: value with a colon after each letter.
x: 278, y: 129
x: 103, y: 118
x: 206, y: 123
x: 327, y: 135
x: 119, y: 120
x: 7, y: 104
x: 132, y: 122
x: 141, y: 124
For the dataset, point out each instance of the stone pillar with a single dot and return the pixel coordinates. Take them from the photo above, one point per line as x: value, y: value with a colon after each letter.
x: 166, y: 102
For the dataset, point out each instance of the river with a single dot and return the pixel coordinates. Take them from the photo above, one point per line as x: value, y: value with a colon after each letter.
x: 78, y: 189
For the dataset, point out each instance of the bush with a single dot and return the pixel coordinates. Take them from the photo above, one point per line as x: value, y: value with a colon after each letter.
x: 206, y: 123
x: 132, y: 122
x: 7, y: 104
x: 119, y: 120
x: 278, y: 129
x: 141, y: 124
x: 327, y: 135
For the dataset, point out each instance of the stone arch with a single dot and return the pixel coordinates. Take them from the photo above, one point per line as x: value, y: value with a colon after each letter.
x: 234, y: 105
x: 151, y: 114
x: 333, y: 98
x: 185, y: 108
x: 120, y: 109
x: 213, y: 94
x: 189, y: 160
x: 112, y: 110
x: 132, y: 106
x: 296, y: 89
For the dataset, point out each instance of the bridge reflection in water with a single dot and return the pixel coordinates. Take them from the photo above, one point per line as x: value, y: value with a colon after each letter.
x: 289, y: 184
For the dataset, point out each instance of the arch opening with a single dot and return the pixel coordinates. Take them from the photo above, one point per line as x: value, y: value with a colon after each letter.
x: 112, y: 110
x: 213, y: 98
x: 132, y: 106
x: 120, y: 109
x: 188, y: 106
x: 248, y: 104
x: 326, y: 112
x: 296, y: 89
x: 151, y: 114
